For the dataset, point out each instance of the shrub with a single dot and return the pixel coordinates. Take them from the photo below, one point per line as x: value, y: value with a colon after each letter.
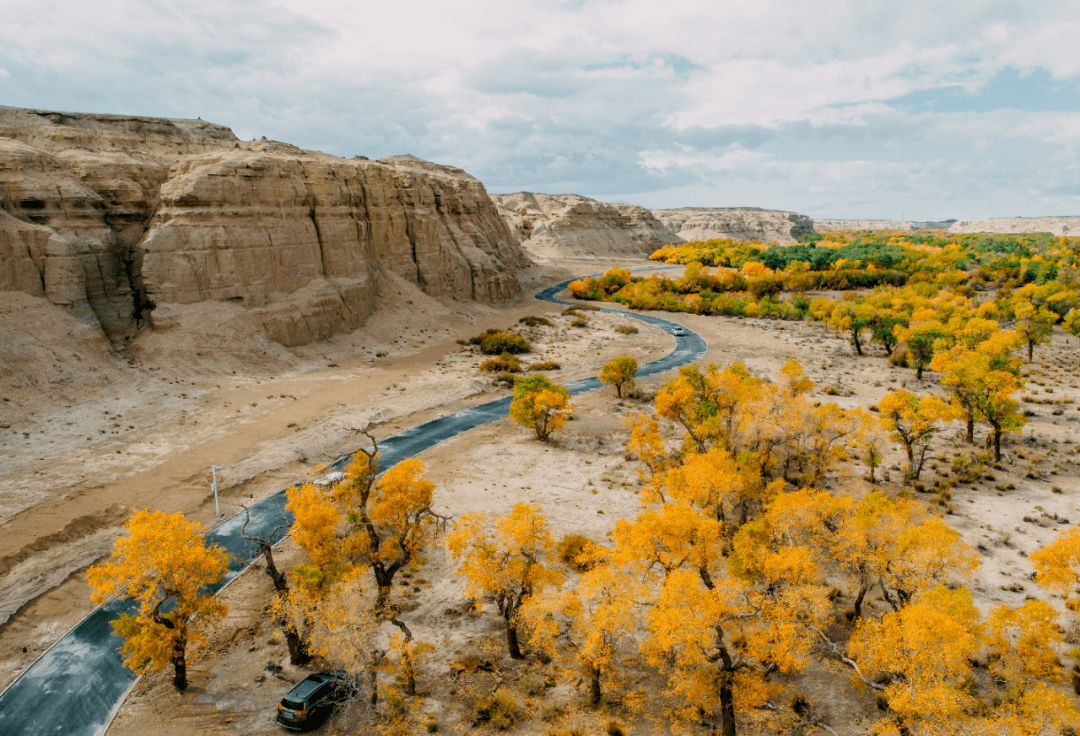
x: 547, y: 365
x: 531, y: 321
x: 626, y: 329
x: 500, y: 710
x: 507, y: 378
x: 580, y: 322
x: 579, y: 552
x: 506, y: 363
x: 899, y: 356
x: 497, y: 343
x: 765, y: 286
x: 479, y: 338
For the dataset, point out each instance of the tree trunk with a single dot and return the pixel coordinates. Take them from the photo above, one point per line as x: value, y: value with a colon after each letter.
x: 997, y: 444
x: 298, y: 653
x: 179, y: 662
x: 618, y: 390
x: 859, y: 602
x: 727, y: 705
x: 373, y: 676
x: 1031, y: 350
x: 594, y: 685
x: 918, y: 373
x: 970, y: 430
x: 382, y: 599
x: 512, y: 641
x: 410, y: 676
x: 855, y: 341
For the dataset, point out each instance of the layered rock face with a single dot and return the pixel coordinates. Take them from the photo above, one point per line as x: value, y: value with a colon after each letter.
x: 110, y: 216
x: 1060, y: 226
x: 737, y: 223
x: 824, y: 226
x: 568, y: 225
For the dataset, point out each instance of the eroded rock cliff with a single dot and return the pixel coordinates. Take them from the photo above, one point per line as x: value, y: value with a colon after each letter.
x: 736, y: 223
x: 568, y: 225
x: 823, y: 226
x: 111, y: 216
x: 1060, y: 226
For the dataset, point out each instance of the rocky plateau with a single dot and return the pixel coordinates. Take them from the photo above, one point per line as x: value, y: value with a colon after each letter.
x: 572, y: 226
x: 1060, y: 226
x: 736, y: 223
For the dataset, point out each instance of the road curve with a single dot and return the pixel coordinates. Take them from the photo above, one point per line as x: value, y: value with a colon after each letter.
x: 76, y: 687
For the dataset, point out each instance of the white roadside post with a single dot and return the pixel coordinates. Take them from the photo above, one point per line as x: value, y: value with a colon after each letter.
x: 217, y: 506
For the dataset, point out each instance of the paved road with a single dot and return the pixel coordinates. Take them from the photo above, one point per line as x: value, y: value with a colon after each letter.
x: 78, y: 684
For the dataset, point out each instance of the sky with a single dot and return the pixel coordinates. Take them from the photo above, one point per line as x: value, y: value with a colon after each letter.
x: 912, y: 110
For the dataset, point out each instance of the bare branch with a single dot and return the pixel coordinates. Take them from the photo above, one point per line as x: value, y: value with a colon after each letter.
x: 835, y: 650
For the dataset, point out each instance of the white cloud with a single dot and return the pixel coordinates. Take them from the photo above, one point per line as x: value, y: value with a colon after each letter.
x: 776, y: 100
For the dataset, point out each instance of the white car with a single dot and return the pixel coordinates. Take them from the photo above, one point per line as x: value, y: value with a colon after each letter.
x: 678, y: 332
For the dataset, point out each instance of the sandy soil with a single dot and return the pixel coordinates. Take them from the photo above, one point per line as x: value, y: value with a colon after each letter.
x: 75, y: 464
x: 582, y: 480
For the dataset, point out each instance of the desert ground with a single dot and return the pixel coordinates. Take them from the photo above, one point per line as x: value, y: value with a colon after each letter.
x: 81, y: 465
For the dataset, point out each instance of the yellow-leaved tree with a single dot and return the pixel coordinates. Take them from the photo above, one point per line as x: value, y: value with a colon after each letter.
x: 720, y: 642
x: 913, y: 421
x: 618, y: 372
x: 894, y: 544
x: 921, y: 336
x: 378, y: 524
x: 540, y: 405
x: 981, y: 379
x: 921, y: 656
x: 921, y: 659
x: 597, y: 617
x: 164, y: 564
x: 505, y: 558
x: 1057, y: 566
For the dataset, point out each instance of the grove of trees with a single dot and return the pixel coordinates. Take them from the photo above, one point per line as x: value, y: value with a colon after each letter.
x: 751, y: 558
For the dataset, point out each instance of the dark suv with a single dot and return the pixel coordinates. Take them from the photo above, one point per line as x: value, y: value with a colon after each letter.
x: 311, y: 700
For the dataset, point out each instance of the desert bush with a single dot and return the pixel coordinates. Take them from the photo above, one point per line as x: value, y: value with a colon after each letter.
x: 497, y: 343
x: 626, y: 329
x: 580, y: 322
x: 579, y: 552
x: 476, y: 340
x: 547, y: 365
x: 506, y: 363
x: 500, y: 710
x: 507, y: 378
x: 765, y: 286
x: 899, y: 356
x: 531, y: 321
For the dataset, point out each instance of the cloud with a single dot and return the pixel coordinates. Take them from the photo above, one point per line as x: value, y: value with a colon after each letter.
x: 870, y: 108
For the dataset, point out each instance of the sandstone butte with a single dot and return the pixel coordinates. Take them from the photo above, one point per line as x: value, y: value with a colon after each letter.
x: 737, y: 223
x: 113, y: 217
x: 571, y: 226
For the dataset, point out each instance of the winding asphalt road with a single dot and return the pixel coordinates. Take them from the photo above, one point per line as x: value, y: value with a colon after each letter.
x: 78, y: 684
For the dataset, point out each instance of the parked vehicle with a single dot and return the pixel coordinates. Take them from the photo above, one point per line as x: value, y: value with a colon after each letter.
x: 312, y: 700
x: 678, y: 332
